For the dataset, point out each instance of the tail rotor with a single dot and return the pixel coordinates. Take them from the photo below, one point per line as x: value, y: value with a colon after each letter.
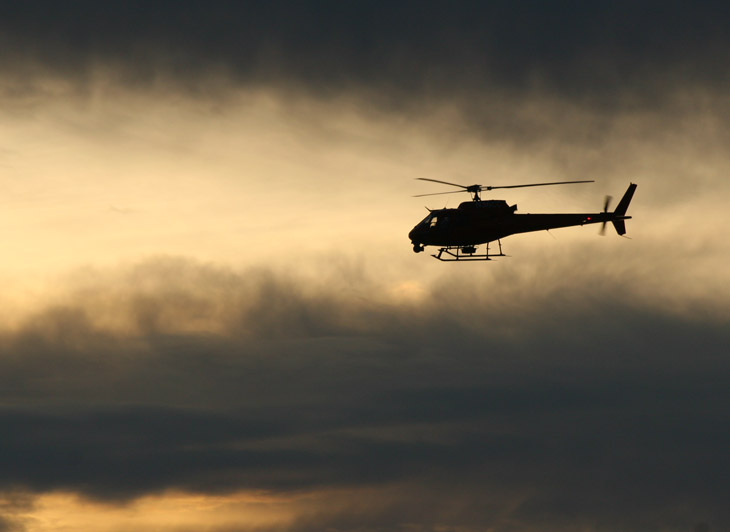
x: 605, y: 211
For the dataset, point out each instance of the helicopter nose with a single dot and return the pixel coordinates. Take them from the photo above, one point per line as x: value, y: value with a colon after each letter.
x: 415, y: 240
x: 414, y: 234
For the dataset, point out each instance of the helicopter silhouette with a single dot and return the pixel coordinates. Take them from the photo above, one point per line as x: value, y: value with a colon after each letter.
x: 458, y: 232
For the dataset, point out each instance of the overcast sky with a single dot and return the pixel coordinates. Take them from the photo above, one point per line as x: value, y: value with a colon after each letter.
x: 212, y: 317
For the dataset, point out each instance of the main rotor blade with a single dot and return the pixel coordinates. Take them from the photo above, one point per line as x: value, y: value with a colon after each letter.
x: 536, y: 184
x: 439, y: 193
x: 442, y: 182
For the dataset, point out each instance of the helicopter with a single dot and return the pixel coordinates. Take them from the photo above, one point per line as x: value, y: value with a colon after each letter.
x: 458, y: 232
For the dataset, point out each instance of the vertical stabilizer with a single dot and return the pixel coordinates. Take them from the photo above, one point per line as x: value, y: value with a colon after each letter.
x: 623, y: 205
x: 620, y: 213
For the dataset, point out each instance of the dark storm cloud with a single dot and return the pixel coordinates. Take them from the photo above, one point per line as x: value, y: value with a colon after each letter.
x: 548, y: 415
x: 578, y: 49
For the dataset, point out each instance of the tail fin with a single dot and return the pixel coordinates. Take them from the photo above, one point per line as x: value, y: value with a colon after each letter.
x: 623, y: 205
x: 621, y: 208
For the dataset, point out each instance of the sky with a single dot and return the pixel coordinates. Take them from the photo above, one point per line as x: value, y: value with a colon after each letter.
x: 212, y: 317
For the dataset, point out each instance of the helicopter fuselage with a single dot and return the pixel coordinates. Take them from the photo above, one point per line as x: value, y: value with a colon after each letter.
x: 481, y: 222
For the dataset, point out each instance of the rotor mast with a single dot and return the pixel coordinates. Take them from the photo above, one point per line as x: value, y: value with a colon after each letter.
x: 475, y: 190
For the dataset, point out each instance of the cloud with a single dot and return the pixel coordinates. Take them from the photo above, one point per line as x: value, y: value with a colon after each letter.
x: 13, y: 507
x: 468, y: 411
x: 400, y: 50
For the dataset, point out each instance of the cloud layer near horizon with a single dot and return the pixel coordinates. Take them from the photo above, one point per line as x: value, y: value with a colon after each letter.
x: 554, y: 413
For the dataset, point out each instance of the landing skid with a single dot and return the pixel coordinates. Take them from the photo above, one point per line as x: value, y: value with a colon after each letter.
x: 466, y: 253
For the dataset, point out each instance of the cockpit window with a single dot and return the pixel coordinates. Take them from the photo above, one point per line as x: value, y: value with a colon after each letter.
x: 433, y: 220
